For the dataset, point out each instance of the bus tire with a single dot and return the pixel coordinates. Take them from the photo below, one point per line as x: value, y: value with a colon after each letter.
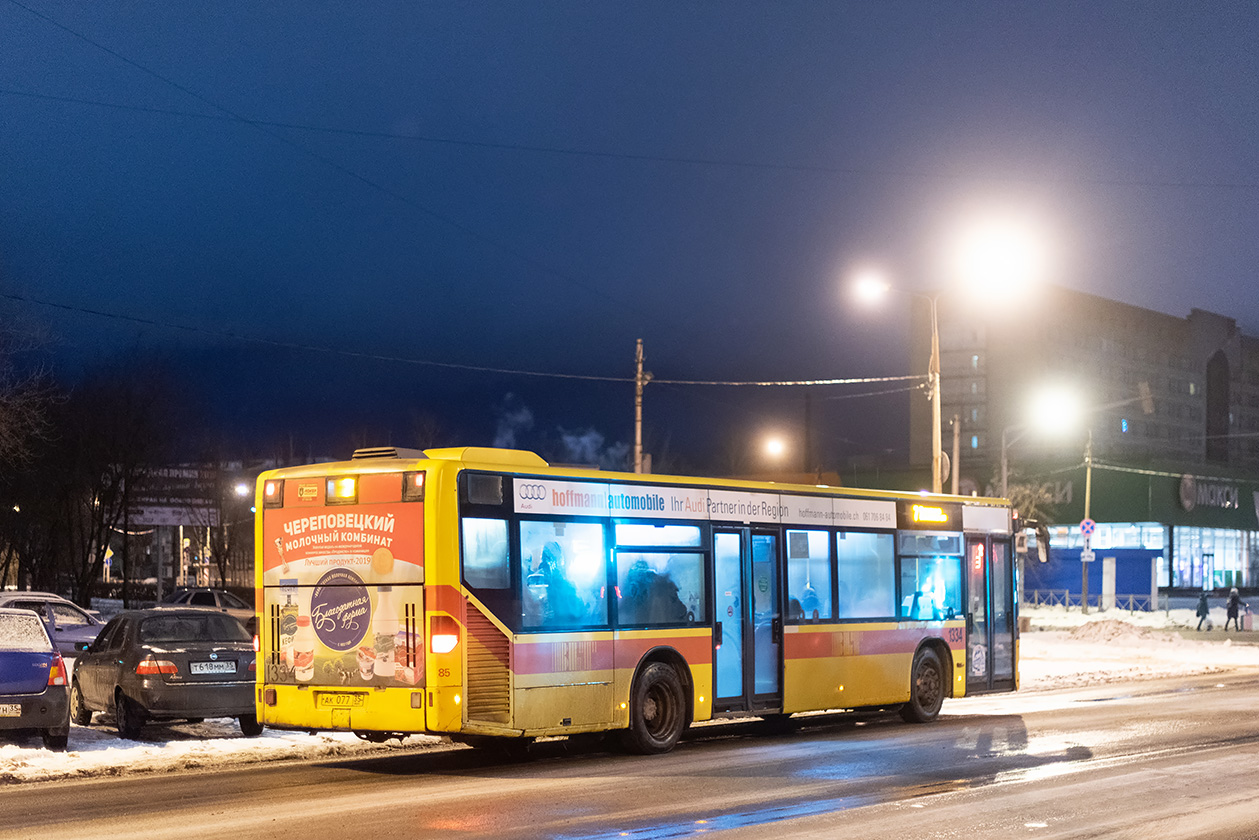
x: 657, y: 710
x: 926, y: 688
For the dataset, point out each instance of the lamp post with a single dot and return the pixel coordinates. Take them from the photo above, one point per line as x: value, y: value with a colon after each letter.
x: 1005, y: 464
x: 933, y: 374
x: 870, y: 287
x: 1088, y: 498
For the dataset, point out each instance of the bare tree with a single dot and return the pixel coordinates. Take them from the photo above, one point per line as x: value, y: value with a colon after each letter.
x: 104, y: 439
x: 26, y: 394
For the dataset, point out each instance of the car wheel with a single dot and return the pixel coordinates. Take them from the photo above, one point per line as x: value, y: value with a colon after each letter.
x: 657, y: 710
x: 80, y: 714
x: 129, y: 715
x: 56, y: 743
x: 926, y: 688
x: 249, y: 726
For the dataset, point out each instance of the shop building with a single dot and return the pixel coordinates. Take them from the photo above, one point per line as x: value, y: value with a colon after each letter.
x: 1175, y: 475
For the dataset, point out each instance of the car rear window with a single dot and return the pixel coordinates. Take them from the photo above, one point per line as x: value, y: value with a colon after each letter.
x: 24, y: 633
x: 211, y: 627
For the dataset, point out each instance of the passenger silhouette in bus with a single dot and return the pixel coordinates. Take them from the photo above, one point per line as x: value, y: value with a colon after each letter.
x: 810, y: 604
x: 563, y: 605
x: 650, y: 598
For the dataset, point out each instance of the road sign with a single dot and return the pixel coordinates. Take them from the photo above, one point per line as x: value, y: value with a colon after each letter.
x: 1087, y: 556
x: 1087, y: 527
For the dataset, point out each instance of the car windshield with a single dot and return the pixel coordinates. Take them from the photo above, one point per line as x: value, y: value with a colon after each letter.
x: 24, y: 633
x: 211, y: 627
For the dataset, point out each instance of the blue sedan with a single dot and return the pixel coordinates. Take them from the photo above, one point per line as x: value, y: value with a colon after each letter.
x: 33, y: 690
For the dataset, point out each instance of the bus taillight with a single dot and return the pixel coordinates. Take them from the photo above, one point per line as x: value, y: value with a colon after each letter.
x: 273, y: 493
x: 443, y: 634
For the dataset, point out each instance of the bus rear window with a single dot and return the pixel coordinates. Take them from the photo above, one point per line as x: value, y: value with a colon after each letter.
x: 485, y: 556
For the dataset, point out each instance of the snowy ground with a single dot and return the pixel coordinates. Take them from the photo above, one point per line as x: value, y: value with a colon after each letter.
x: 1079, y: 650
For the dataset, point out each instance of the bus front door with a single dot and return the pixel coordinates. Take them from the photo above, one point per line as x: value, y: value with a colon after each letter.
x: 748, y: 637
x: 990, y: 625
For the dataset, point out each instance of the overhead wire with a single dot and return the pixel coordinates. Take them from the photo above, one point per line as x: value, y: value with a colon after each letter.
x: 689, y: 160
x: 359, y: 354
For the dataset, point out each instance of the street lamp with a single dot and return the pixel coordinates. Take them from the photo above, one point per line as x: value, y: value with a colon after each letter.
x: 1054, y: 409
x: 870, y: 287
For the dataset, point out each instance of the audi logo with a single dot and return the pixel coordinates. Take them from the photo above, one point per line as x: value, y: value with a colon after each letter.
x: 535, y: 492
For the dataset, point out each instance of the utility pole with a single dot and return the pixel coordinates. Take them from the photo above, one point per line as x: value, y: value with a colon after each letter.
x: 641, y: 378
x: 1088, y: 498
x: 955, y: 467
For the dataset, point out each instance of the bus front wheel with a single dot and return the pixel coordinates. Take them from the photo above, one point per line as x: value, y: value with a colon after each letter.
x: 657, y: 710
x: 926, y: 688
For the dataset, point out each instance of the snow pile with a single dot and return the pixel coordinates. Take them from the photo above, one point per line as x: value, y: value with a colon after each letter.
x: 1111, y: 630
x: 1107, y: 647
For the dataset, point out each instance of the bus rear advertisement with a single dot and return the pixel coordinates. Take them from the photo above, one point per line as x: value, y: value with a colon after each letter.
x: 482, y: 594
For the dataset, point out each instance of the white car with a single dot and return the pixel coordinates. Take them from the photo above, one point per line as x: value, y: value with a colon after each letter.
x: 208, y: 596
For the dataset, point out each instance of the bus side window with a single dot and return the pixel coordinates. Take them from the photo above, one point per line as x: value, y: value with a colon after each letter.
x: 808, y: 575
x: 659, y: 588
x: 485, y: 554
x: 931, y: 588
x: 563, y: 575
x: 867, y: 575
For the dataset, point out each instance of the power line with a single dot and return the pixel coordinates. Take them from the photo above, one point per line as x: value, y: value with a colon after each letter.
x: 689, y: 160
x: 290, y: 345
x: 380, y: 357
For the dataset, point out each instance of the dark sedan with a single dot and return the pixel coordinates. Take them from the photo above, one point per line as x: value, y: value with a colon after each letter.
x: 167, y: 664
x: 32, y: 679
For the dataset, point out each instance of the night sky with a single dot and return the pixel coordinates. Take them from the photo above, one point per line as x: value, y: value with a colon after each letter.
x: 300, y: 201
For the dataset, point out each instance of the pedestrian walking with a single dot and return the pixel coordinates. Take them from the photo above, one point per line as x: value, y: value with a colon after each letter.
x: 1233, y: 608
x: 1204, y: 611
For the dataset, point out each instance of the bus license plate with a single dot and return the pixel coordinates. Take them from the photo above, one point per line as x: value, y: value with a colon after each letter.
x: 10, y: 709
x: 346, y: 700
x: 212, y: 667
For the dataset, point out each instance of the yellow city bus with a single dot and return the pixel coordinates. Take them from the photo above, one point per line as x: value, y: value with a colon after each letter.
x: 483, y: 594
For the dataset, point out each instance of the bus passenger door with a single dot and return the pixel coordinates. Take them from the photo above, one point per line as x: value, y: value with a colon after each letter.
x: 748, y: 652
x: 990, y: 623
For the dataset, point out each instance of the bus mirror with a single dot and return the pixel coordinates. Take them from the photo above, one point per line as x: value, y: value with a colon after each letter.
x: 1042, y: 542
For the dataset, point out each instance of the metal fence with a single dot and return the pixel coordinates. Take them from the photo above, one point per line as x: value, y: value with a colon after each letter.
x: 1067, y: 599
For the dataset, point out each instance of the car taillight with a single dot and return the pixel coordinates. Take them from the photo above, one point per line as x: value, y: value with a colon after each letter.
x: 150, y: 666
x: 57, y: 673
x: 443, y: 634
x: 253, y: 667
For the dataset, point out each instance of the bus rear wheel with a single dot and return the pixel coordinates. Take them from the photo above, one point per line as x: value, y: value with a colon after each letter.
x: 657, y: 710
x: 926, y: 688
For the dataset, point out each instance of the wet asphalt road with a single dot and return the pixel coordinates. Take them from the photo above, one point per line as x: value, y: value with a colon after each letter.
x: 1176, y: 758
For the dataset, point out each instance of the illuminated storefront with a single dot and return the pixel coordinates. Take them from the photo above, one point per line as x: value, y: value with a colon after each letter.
x: 1176, y: 531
